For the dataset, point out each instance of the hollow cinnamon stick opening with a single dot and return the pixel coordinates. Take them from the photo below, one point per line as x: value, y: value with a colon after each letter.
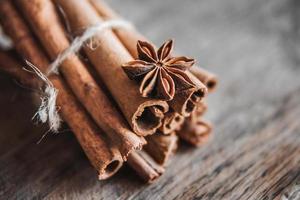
x: 145, y: 166
x: 183, y: 102
x: 198, y: 112
x: 51, y: 35
x: 105, y: 158
x: 107, y: 59
x: 195, y: 132
x: 148, y: 117
x: 201, y: 108
x: 206, y: 77
x: 161, y: 147
x: 186, y: 101
x: 171, y: 122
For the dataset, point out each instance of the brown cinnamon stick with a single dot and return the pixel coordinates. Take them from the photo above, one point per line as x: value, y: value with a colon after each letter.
x: 145, y: 166
x: 171, y: 122
x: 195, y: 132
x: 161, y: 147
x: 206, y: 77
x: 45, y: 23
x: 104, y: 157
x: 107, y: 13
x: 198, y: 112
x: 9, y: 67
x: 143, y: 114
x: 184, y: 102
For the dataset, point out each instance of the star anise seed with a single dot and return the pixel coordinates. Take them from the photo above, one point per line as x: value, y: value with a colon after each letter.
x: 159, y: 74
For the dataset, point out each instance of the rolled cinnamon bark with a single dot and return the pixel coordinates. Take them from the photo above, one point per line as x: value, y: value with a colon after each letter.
x: 171, y: 122
x: 143, y: 114
x: 44, y: 21
x: 183, y: 102
x: 145, y: 166
x: 195, y: 132
x: 198, y: 112
x: 209, y: 79
x: 104, y: 157
x: 9, y: 66
x: 161, y: 147
x: 107, y: 13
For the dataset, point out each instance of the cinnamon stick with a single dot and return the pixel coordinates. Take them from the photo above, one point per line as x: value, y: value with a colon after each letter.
x: 104, y: 157
x: 184, y: 102
x: 161, y: 147
x: 107, y: 13
x: 45, y: 23
x: 198, y: 112
x: 171, y: 122
x: 206, y: 77
x: 143, y: 114
x: 9, y: 67
x: 145, y: 166
x: 195, y: 132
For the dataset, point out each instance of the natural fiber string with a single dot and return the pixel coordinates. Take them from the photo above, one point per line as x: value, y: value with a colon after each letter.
x: 80, y: 40
x: 47, y: 109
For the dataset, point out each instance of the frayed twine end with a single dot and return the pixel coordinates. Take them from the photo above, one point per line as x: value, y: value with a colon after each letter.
x: 48, y: 109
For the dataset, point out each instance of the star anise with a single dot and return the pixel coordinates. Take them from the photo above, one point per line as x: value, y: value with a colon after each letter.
x: 159, y: 74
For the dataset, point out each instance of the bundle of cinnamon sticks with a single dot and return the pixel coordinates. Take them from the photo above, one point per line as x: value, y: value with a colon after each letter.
x: 124, y: 100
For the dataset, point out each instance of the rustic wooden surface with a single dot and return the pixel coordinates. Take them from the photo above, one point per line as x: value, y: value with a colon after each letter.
x: 254, y: 46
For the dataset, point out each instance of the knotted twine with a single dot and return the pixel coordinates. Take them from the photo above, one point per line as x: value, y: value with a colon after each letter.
x: 48, y: 109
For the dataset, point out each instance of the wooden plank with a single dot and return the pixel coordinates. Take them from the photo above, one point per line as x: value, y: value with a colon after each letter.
x: 255, y: 150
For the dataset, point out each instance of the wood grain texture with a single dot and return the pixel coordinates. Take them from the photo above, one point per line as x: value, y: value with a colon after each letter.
x: 254, y: 47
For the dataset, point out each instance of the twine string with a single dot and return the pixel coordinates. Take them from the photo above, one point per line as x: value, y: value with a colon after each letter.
x: 80, y: 40
x: 48, y: 109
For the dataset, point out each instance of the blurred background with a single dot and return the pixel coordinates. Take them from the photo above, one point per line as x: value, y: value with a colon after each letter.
x: 254, y: 48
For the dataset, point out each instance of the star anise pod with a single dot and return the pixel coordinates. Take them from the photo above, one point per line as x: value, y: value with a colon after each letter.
x: 159, y: 74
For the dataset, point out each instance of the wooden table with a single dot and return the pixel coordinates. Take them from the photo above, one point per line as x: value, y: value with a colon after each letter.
x: 254, y: 47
